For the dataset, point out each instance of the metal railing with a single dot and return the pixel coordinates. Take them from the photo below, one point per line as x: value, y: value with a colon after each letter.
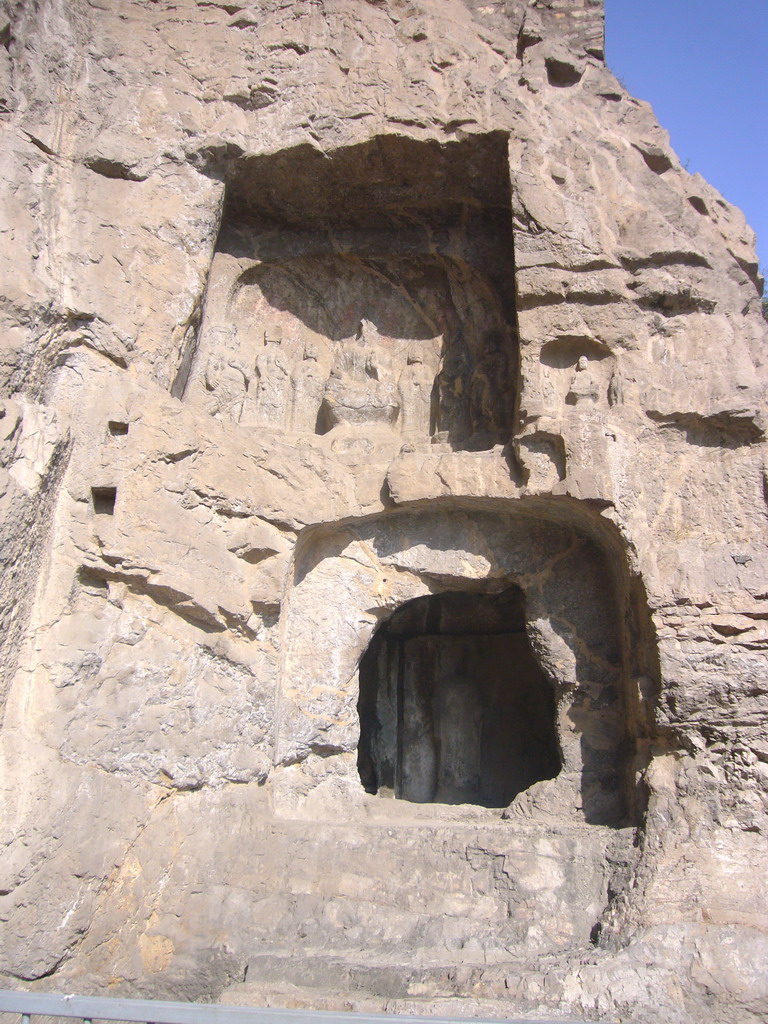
x: 154, y: 1011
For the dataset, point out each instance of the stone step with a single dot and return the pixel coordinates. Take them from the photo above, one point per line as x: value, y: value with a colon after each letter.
x: 459, y: 890
x: 371, y: 983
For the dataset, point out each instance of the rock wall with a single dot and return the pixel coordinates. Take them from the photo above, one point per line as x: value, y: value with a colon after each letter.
x: 374, y: 366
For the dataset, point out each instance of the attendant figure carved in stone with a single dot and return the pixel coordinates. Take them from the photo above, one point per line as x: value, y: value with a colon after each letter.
x: 270, y: 404
x: 487, y: 387
x: 453, y: 419
x: 308, y: 384
x: 415, y: 389
x: 225, y: 383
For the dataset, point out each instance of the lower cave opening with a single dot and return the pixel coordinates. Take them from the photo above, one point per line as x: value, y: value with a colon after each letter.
x: 453, y: 706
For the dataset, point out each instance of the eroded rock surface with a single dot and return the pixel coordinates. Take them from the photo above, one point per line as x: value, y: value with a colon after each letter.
x: 383, y: 486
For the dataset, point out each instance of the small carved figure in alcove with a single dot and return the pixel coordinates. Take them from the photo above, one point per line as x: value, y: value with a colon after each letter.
x: 225, y: 383
x: 584, y: 434
x: 585, y: 387
x: 308, y: 384
x: 269, y: 399
x: 415, y: 390
x: 616, y: 389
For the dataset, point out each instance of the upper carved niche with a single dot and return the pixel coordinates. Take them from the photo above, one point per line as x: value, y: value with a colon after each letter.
x: 363, y: 295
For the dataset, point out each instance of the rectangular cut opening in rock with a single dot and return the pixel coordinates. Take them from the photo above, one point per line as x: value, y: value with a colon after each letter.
x: 367, y: 289
x: 103, y: 499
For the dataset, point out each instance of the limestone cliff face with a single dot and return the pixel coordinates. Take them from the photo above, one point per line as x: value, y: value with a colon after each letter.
x: 384, y: 417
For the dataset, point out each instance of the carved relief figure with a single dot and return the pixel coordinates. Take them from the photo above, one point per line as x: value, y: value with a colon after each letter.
x: 415, y: 392
x: 487, y: 387
x: 358, y: 360
x: 453, y: 409
x: 269, y: 398
x: 354, y: 394
x: 585, y: 387
x: 457, y: 714
x: 308, y: 384
x: 417, y: 775
x: 571, y: 448
x: 584, y: 435
x: 225, y: 383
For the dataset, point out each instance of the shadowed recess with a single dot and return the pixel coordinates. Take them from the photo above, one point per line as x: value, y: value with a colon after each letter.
x: 377, y: 246
x: 453, y: 706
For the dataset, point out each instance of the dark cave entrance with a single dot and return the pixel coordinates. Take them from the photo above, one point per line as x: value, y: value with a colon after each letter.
x: 453, y: 705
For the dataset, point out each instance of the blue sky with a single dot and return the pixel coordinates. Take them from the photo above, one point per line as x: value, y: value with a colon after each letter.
x: 703, y: 66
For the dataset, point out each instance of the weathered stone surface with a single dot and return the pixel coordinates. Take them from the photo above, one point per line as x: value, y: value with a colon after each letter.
x: 309, y: 312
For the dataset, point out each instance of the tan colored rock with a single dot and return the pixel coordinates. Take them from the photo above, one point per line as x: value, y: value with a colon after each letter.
x: 383, y: 495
